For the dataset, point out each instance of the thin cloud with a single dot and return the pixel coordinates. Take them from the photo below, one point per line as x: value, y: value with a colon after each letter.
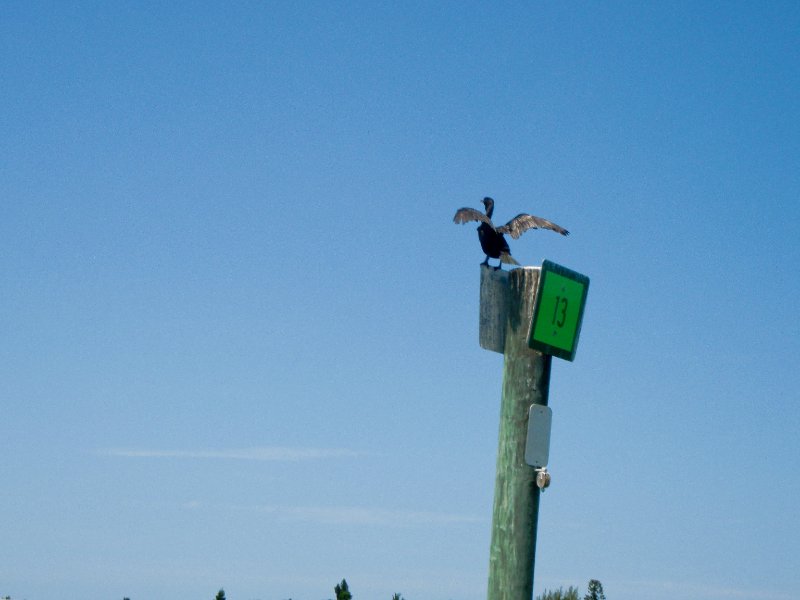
x: 281, y: 454
x: 350, y: 515
x: 689, y: 589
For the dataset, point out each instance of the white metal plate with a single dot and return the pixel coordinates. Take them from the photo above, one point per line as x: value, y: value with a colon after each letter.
x: 537, y: 445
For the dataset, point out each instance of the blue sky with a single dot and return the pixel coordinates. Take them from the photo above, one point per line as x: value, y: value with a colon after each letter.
x: 239, y: 328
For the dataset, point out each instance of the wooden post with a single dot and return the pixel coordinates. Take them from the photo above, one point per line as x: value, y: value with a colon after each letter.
x: 526, y: 381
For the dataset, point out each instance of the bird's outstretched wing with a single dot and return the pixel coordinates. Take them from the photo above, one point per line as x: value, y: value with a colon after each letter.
x: 521, y: 223
x: 465, y: 215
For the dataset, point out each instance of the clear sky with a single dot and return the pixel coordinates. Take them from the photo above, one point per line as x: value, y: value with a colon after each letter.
x: 238, y: 328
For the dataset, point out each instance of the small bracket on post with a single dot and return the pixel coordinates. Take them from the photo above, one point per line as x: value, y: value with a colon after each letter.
x: 542, y: 479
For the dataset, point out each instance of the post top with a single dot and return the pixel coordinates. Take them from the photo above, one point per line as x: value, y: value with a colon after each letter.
x: 504, y: 294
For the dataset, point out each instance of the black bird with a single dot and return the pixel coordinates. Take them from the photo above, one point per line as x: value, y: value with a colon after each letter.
x: 493, y: 243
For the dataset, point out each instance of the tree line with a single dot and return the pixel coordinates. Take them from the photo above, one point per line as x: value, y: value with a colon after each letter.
x: 594, y: 592
x: 342, y: 591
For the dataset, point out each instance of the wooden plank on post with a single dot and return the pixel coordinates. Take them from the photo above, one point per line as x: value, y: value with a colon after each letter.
x: 493, y: 308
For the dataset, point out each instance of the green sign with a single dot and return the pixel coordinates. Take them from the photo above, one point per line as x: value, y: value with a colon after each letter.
x: 558, y: 313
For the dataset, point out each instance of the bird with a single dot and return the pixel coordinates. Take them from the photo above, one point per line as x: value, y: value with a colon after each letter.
x: 493, y: 243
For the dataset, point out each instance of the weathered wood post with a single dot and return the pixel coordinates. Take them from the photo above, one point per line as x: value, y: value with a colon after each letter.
x: 507, y: 303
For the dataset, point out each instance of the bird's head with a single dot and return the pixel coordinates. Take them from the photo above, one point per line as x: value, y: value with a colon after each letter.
x: 489, y: 204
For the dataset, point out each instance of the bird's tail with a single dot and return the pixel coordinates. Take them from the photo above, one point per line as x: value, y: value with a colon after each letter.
x: 507, y: 259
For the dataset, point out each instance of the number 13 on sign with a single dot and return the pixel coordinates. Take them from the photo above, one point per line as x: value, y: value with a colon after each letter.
x: 561, y: 303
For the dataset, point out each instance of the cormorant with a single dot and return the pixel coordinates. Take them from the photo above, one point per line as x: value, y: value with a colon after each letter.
x: 493, y: 243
